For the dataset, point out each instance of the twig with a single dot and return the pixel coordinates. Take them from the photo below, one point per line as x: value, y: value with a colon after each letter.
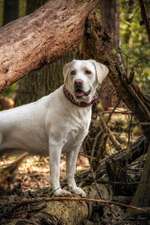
x: 87, y: 156
x: 94, y: 179
x: 117, y: 112
x: 77, y: 199
x: 129, y: 132
x: 94, y: 145
x: 114, y: 108
x: 110, y: 135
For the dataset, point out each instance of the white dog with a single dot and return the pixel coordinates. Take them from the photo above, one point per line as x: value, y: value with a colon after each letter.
x: 57, y: 122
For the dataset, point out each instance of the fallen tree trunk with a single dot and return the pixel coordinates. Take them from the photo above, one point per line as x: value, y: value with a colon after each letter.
x: 31, y: 41
x: 31, y: 211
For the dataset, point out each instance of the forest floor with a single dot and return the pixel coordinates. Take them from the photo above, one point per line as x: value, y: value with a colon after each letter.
x: 33, y: 172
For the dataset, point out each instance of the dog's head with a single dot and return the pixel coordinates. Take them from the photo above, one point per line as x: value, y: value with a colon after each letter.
x: 81, y: 78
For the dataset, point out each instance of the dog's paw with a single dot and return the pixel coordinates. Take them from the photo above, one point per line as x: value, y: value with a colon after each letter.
x: 78, y: 191
x: 61, y: 192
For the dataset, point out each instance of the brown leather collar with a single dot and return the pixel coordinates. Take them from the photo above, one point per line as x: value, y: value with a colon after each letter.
x: 70, y: 97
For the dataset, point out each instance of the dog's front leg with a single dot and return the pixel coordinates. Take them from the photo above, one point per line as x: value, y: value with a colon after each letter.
x: 55, y: 150
x: 71, y: 169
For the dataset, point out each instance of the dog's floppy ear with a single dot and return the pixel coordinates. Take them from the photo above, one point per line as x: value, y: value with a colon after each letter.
x: 101, y: 71
x: 66, y: 69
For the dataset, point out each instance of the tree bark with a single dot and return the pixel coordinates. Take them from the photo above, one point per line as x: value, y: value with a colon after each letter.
x: 110, y: 25
x: 41, y: 82
x: 110, y: 20
x: 55, y: 212
x: 31, y: 41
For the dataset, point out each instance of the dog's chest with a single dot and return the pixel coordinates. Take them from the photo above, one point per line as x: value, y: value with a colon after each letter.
x: 75, y: 134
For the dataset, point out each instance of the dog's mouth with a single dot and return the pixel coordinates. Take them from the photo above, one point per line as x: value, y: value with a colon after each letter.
x: 79, y: 93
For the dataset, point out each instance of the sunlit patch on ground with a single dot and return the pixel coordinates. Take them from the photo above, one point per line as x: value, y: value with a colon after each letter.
x: 34, y: 172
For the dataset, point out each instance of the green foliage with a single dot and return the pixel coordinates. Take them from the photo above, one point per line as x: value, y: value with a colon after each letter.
x: 134, y: 43
x: 22, y: 7
x: 1, y: 11
x: 10, y: 90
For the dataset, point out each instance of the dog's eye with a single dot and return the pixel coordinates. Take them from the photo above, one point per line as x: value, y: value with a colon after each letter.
x: 73, y: 72
x: 88, y: 72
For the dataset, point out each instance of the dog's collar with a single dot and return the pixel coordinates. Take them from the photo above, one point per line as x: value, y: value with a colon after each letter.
x: 70, y: 97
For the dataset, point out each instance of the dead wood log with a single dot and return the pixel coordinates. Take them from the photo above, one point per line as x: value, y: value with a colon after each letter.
x: 57, y: 217
x: 36, y: 39
x: 31, y: 211
x: 58, y: 212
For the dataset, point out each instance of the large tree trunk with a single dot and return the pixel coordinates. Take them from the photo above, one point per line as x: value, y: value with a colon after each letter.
x: 110, y: 19
x: 110, y: 24
x: 41, y: 37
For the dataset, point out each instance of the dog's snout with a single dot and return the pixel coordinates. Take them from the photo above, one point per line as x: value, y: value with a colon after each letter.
x: 78, y: 83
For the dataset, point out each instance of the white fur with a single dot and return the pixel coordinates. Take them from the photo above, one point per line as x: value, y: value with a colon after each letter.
x: 53, y: 124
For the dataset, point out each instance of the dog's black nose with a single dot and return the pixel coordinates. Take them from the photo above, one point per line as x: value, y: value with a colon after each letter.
x: 78, y: 83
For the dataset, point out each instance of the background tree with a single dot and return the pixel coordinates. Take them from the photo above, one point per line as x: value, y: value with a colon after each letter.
x: 45, y: 80
x: 11, y: 10
x: 110, y: 24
